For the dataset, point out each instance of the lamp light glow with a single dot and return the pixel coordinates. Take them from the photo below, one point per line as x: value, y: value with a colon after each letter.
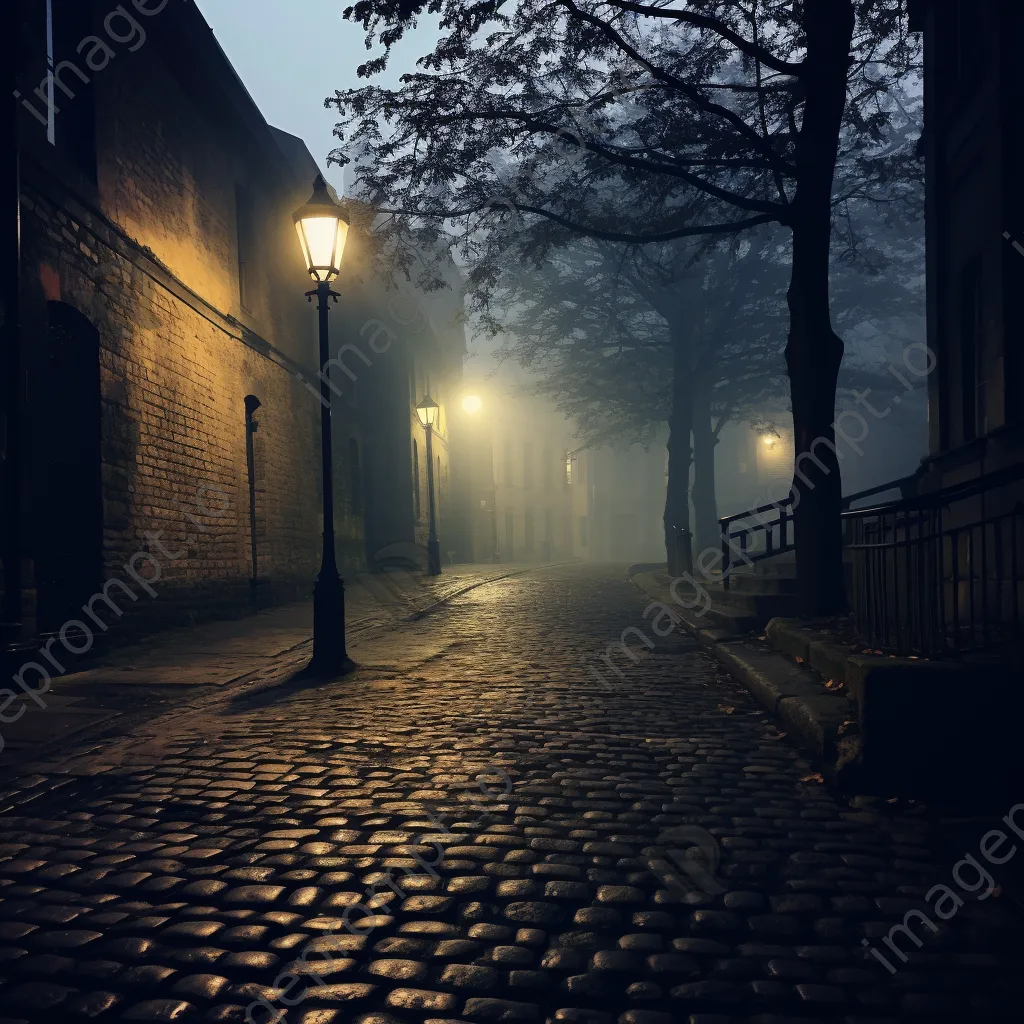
x: 472, y: 404
x: 323, y: 229
x: 427, y: 411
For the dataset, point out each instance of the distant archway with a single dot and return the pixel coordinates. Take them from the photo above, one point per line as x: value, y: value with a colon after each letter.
x: 67, y: 493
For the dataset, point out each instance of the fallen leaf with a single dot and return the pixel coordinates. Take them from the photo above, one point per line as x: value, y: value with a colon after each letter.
x: 798, y: 659
x: 816, y: 777
x: 727, y: 708
x: 778, y: 736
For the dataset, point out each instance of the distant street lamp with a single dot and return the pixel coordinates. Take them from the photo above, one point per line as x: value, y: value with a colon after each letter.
x: 427, y: 411
x: 472, y: 404
x: 323, y: 228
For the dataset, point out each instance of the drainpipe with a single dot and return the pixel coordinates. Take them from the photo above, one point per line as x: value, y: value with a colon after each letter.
x: 252, y: 403
x: 10, y: 357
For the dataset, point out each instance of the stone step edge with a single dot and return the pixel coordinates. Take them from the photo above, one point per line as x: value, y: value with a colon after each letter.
x: 812, y: 718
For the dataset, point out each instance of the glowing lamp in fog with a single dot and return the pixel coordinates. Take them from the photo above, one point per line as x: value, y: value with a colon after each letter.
x: 769, y: 440
x: 472, y: 404
x: 323, y: 229
x: 427, y: 411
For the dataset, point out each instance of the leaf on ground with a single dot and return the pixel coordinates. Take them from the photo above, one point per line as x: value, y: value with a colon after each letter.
x: 798, y: 659
x: 778, y: 736
x: 727, y: 708
x: 834, y: 684
x: 845, y: 726
x: 815, y: 777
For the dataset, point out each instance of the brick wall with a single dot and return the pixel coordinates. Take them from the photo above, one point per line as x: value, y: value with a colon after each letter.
x: 148, y: 253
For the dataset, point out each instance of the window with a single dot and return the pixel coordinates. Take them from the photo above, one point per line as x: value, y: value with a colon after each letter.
x: 54, y: 83
x: 972, y: 384
x: 508, y: 464
x: 245, y: 229
x: 416, y: 478
x: 355, y: 476
x: 527, y: 465
x: 568, y: 470
x: 969, y: 35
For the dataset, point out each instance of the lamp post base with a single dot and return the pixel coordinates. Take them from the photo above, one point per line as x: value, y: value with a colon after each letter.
x: 433, y: 558
x: 329, y: 653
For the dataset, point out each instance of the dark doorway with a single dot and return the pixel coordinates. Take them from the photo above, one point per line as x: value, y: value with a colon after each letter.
x: 67, y: 513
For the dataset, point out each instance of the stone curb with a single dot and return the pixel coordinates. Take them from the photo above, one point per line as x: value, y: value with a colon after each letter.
x: 811, y: 717
x: 923, y: 728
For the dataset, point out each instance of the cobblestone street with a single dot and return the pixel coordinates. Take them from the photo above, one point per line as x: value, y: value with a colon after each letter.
x: 216, y: 862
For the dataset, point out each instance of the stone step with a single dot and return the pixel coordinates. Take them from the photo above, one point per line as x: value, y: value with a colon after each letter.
x: 761, y: 583
x: 744, y: 612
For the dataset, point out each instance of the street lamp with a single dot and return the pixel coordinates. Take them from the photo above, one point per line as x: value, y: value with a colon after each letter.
x: 472, y: 404
x: 323, y: 227
x: 427, y: 412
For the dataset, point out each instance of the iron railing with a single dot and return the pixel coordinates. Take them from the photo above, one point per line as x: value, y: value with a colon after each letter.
x: 767, y: 530
x: 933, y: 574
x: 939, y: 574
x: 756, y: 534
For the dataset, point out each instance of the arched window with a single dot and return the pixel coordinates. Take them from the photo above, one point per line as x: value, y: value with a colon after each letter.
x: 355, y: 476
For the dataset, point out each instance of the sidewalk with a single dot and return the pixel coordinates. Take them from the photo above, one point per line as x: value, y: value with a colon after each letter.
x: 143, y: 678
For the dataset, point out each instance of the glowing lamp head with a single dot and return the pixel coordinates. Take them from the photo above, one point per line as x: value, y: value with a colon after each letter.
x: 427, y: 411
x: 769, y: 440
x: 472, y: 404
x: 323, y: 228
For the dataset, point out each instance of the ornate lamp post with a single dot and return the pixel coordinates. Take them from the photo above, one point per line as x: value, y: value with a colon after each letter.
x: 427, y: 411
x: 323, y: 228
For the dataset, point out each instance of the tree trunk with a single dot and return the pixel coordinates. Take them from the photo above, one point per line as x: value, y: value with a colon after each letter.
x: 677, y: 497
x: 814, y: 351
x: 705, y: 505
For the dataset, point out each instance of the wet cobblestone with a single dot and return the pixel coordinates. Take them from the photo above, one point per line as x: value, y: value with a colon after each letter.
x: 204, y: 869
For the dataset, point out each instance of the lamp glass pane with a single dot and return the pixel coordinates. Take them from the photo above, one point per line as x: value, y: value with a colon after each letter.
x: 305, y: 248
x: 339, y: 244
x: 321, y: 239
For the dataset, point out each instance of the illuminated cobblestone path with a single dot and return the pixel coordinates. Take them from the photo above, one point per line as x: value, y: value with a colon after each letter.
x: 204, y: 867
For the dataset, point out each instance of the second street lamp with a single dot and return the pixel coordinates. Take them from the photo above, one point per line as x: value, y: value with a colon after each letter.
x: 323, y: 229
x: 427, y: 412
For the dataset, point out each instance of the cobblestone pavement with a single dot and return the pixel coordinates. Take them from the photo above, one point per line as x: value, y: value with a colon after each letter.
x: 217, y: 864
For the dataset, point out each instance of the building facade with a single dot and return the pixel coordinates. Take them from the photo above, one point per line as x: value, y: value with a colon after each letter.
x: 975, y: 235
x: 170, y: 412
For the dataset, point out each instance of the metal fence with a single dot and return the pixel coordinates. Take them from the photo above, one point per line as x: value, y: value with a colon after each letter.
x: 939, y: 574
x: 755, y: 535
